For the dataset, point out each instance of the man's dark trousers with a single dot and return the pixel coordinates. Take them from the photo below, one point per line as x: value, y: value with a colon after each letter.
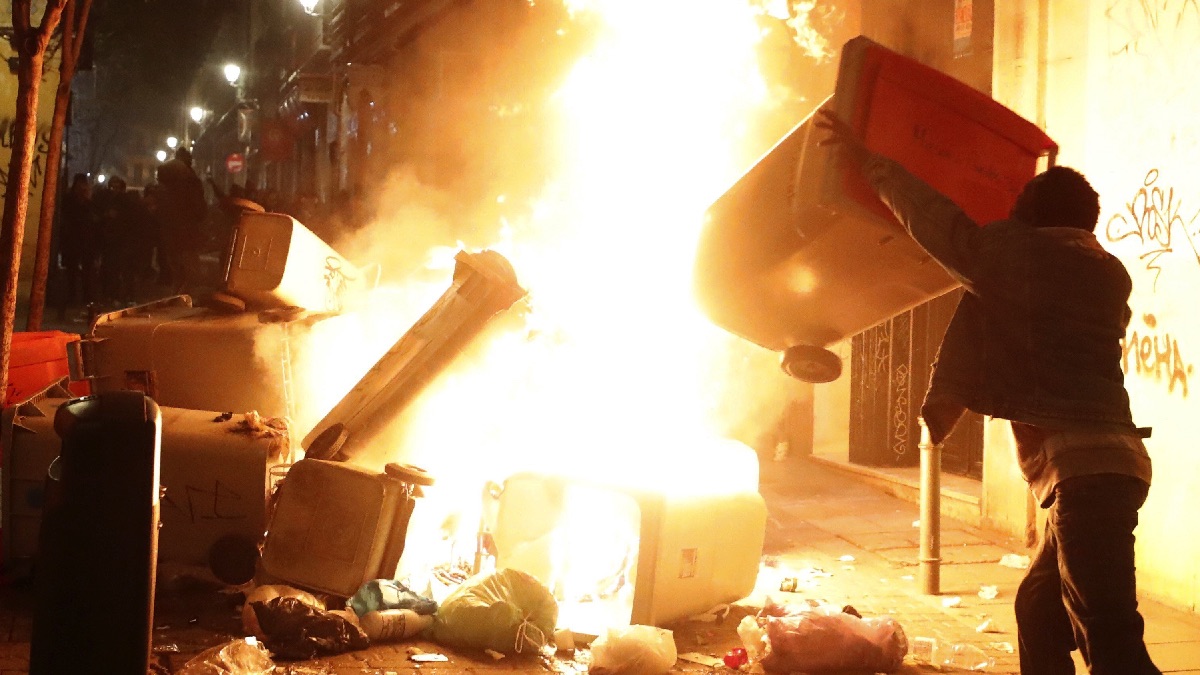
x: 1080, y: 590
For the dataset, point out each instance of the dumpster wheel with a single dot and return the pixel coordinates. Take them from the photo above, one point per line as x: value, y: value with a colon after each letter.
x: 808, y: 363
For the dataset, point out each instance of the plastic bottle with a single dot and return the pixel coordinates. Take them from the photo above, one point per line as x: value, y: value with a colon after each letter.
x: 391, y: 625
x: 963, y: 656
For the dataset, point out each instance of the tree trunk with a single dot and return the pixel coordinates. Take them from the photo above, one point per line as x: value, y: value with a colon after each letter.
x: 75, y: 17
x: 16, y: 198
x: 41, y: 263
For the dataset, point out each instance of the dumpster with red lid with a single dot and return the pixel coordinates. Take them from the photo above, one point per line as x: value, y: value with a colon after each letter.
x: 799, y: 253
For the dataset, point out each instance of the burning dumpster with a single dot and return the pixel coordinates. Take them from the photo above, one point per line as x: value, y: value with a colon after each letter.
x: 799, y: 253
x: 483, y: 285
x: 337, y: 525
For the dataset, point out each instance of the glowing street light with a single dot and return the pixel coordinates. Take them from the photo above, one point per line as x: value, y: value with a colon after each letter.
x: 100, y: 178
x: 197, y: 113
x: 232, y: 72
x: 172, y: 142
x: 161, y: 155
x: 309, y: 6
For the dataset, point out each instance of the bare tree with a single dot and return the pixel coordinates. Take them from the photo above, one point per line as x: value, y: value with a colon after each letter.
x: 74, y: 23
x: 30, y: 43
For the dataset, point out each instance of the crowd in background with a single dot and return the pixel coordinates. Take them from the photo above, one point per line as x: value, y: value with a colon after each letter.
x: 118, y: 246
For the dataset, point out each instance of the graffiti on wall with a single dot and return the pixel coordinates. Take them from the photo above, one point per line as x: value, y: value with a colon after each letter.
x: 1154, y: 354
x: 8, y: 137
x: 1141, y: 27
x: 1156, y: 217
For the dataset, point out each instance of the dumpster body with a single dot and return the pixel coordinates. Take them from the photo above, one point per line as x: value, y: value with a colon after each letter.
x: 336, y: 525
x: 38, y: 360
x: 799, y: 253
x: 484, y: 284
x: 203, y: 359
x: 215, y: 471
x: 275, y: 261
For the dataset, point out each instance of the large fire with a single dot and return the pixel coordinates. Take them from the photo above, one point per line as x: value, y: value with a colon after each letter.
x: 610, y: 373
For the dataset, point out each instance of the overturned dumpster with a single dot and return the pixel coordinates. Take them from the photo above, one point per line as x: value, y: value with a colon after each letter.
x: 799, y: 253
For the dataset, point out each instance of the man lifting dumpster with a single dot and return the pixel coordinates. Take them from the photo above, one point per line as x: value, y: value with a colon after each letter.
x: 1036, y: 340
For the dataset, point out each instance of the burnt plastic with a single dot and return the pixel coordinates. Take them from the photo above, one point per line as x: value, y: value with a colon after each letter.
x: 95, y: 574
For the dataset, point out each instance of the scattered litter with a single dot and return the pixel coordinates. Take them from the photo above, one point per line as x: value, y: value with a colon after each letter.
x: 927, y: 650
x: 1018, y: 562
x: 846, y: 558
x: 916, y: 523
x: 223, y: 417
x: 427, y: 657
x: 241, y: 657
x: 714, y: 615
x: 988, y: 592
x: 702, y: 659
x: 389, y: 594
x: 951, y: 602
x: 988, y: 626
x: 171, y: 648
x: 908, y: 577
x: 736, y: 658
x: 634, y: 650
x: 494, y: 654
x: 803, y: 578
x: 564, y: 640
x: 393, y: 625
x: 267, y: 593
x: 295, y: 629
x: 1005, y: 647
x: 922, y: 649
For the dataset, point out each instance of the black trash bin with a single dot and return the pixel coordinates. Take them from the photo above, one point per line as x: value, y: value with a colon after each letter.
x: 98, y: 544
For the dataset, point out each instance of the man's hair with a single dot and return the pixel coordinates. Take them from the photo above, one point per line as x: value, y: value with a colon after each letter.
x: 183, y: 154
x: 1058, y: 197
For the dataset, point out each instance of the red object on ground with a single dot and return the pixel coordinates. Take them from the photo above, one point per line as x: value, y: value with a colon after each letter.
x: 37, y: 361
x: 736, y: 658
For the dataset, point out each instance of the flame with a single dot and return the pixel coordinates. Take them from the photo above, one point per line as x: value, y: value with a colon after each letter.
x: 615, y: 375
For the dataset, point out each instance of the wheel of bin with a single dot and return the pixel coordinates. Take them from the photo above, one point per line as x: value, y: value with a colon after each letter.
x: 811, y: 364
x: 233, y: 559
x: 409, y: 474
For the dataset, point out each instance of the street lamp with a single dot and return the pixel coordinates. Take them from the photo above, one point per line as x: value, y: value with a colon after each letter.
x: 310, y: 6
x: 172, y: 142
x: 161, y: 155
x: 197, y: 113
x: 100, y: 178
x: 232, y: 72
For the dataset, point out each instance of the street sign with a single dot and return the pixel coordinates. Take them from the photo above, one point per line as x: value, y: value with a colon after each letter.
x: 234, y: 163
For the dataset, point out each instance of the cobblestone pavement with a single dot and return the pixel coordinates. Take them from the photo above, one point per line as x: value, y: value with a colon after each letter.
x: 847, y: 542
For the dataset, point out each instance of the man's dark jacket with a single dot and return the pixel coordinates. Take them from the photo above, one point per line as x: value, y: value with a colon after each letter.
x: 1037, y: 336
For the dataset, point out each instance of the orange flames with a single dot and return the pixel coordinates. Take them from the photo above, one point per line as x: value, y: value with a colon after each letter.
x: 614, y: 375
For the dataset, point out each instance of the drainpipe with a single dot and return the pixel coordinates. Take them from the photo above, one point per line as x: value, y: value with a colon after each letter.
x: 931, y: 513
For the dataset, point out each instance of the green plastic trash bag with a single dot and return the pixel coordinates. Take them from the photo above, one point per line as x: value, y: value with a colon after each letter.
x: 508, y: 611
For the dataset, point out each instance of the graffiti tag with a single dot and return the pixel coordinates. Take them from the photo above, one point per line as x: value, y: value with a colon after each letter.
x: 8, y: 138
x: 1156, y: 355
x: 220, y: 502
x: 1154, y: 216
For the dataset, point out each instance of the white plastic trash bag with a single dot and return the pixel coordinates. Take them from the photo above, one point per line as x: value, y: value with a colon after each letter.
x: 633, y: 650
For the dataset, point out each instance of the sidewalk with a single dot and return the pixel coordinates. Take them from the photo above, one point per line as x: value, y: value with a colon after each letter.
x: 819, y: 514
x: 846, y: 541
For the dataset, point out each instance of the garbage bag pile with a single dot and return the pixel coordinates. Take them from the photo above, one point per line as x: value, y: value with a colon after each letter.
x: 786, y: 638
